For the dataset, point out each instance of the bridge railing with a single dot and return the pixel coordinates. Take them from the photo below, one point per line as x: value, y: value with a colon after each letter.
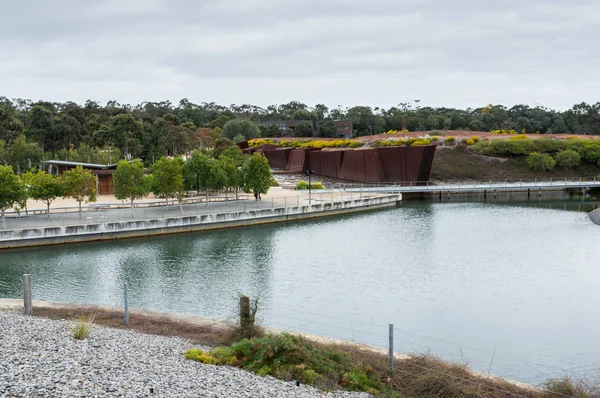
x: 464, y: 184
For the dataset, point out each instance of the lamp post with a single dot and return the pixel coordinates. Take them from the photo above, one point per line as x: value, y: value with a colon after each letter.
x: 309, y: 173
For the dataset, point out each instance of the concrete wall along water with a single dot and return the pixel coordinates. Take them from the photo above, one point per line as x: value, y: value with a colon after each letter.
x: 186, y: 223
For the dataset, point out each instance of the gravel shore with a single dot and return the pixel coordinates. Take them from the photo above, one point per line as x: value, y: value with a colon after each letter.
x: 39, y: 358
x: 595, y: 216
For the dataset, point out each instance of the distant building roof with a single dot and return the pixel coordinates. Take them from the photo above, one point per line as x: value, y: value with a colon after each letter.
x: 84, y: 165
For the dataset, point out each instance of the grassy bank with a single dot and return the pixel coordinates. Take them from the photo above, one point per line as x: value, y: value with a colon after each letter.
x: 461, y: 163
x: 327, y: 366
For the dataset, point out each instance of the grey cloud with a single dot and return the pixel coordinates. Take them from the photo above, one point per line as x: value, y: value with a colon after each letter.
x: 376, y: 52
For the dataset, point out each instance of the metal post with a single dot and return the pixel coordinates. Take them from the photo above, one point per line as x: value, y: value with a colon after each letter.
x: 272, y: 203
x: 126, y: 306
x: 391, y: 353
x: 309, y: 187
x: 27, y: 294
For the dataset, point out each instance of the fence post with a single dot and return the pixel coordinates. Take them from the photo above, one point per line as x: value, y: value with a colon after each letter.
x: 244, y: 313
x: 126, y: 306
x: 27, y: 294
x: 391, y: 354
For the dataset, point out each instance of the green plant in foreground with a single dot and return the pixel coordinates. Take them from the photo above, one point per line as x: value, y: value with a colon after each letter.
x: 82, y: 328
x: 291, y: 357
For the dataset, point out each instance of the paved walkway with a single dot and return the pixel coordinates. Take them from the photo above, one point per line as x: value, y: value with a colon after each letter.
x: 277, y: 197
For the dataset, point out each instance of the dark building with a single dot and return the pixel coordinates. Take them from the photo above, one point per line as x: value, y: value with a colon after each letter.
x: 286, y: 127
x: 102, y: 172
x: 344, y: 128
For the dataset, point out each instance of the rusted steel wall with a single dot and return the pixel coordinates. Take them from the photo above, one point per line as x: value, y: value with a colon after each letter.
x: 385, y: 164
x: 243, y: 145
x: 278, y: 159
x: 268, y: 147
x: 326, y: 163
x: 297, y: 160
x: 426, y: 163
x: 406, y: 164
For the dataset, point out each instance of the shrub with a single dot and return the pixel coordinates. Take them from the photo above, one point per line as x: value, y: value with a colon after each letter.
x: 540, y: 161
x: 313, y: 185
x: 450, y: 139
x: 568, y: 159
x: 356, y: 144
x: 435, y: 138
x: 504, y: 132
x: 518, y: 137
x: 82, y: 328
x: 476, y: 139
x: 518, y: 147
x: 470, y: 141
x: 421, y: 142
x: 196, y: 354
x: 302, y: 185
x: 291, y: 357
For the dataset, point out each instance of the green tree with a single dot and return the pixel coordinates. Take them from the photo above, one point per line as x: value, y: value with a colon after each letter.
x: 167, y: 179
x: 130, y: 182
x: 257, y: 174
x: 245, y: 128
x: 540, y: 161
x: 221, y: 145
x: 12, y: 190
x: 43, y: 187
x: 303, y: 130
x: 568, y: 159
x: 231, y: 162
x: 329, y: 129
x: 79, y: 184
x: 23, y: 155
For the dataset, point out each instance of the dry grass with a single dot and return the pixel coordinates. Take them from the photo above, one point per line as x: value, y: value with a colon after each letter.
x: 426, y: 376
x: 82, y: 328
x: 162, y: 326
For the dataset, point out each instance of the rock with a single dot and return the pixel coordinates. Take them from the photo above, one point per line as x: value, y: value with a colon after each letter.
x: 41, y: 358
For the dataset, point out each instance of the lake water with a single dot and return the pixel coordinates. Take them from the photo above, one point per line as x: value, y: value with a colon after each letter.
x: 458, y: 280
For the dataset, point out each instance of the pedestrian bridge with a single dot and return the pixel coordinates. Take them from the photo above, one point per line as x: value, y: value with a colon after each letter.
x: 474, y: 186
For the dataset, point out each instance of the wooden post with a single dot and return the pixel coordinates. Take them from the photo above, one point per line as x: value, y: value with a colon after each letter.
x: 27, y: 294
x: 244, y: 314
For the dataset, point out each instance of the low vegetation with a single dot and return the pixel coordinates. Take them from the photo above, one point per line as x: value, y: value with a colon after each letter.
x: 461, y: 163
x: 330, y: 367
x: 81, y: 330
x: 313, y: 185
x: 307, y: 143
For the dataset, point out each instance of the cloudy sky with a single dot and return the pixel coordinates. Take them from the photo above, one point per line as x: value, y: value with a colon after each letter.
x: 463, y: 53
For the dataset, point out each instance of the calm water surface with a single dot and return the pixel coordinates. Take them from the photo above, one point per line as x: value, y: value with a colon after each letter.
x: 458, y: 280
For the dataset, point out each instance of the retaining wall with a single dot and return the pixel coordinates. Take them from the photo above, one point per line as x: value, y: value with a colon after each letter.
x: 20, y: 238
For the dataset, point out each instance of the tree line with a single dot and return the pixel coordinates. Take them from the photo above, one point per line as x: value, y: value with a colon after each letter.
x: 95, y: 133
x: 170, y: 178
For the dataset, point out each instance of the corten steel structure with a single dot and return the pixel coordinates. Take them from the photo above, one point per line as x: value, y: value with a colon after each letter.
x: 385, y: 164
x: 102, y: 172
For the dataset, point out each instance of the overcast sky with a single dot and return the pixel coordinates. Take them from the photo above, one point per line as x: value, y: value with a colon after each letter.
x: 463, y: 53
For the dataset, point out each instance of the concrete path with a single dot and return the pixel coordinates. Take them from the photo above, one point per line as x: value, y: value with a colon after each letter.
x: 276, y: 198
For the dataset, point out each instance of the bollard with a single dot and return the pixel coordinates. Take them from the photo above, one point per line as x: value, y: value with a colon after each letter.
x: 391, y: 354
x: 27, y: 294
x: 126, y: 306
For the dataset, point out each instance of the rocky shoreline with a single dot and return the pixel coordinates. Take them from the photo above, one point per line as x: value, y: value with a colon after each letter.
x: 595, y: 216
x: 40, y: 358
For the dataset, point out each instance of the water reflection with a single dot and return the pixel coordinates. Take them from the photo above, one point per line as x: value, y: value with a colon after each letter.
x: 458, y: 278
